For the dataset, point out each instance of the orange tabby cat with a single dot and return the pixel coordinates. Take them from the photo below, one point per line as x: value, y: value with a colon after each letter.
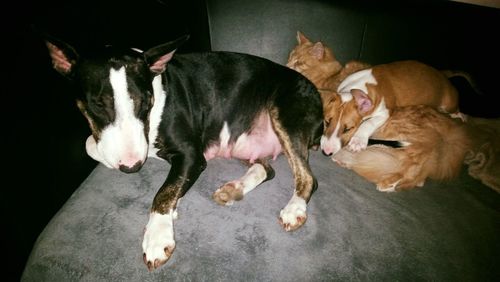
x: 436, y: 146
x: 318, y: 63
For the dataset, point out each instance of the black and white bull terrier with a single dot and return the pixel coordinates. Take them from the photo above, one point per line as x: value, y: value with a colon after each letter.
x: 190, y: 108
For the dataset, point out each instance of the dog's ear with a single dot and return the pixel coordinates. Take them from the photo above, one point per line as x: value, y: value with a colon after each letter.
x: 364, y: 102
x: 158, y: 57
x: 64, y: 57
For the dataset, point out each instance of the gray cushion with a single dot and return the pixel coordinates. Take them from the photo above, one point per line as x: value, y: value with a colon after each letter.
x: 440, y: 232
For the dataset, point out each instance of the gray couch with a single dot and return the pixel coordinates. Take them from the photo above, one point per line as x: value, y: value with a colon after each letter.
x: 441, y: 232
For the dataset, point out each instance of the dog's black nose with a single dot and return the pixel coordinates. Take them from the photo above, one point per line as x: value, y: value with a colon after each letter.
x: 326, y: 153
x: 131, y: 169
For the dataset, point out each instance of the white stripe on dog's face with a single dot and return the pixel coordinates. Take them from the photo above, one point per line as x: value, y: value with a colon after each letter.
x: 331, y: 144
x: 155, y: 115
x: 122, y: 143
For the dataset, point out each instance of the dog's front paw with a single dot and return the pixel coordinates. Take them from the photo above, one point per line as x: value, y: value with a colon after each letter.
x: 357, y: 144
x: 158, y: 243
x: 228, y: 193
x: 294, y: 214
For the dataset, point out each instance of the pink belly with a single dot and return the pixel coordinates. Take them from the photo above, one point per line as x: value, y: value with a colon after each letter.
x: 260, y: 142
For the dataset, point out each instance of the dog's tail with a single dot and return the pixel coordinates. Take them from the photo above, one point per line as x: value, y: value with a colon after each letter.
x: 465, y: 75
x: 388, y: 143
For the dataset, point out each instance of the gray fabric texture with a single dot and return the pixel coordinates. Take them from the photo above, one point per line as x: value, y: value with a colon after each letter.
x: 440, y: 232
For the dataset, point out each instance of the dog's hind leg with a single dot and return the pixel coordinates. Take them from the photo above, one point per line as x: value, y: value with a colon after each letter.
x: 295, y: 146
x: 258, y: 172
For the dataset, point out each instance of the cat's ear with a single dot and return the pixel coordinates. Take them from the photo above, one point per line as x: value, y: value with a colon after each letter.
x: 318, y: 50
x: 301, y: 38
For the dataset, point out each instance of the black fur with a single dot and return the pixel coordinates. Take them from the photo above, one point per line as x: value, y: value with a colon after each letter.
x: 203, y: 90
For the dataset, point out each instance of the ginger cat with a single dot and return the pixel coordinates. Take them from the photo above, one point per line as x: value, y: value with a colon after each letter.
x: 317, y: 62
x: 436, y: 148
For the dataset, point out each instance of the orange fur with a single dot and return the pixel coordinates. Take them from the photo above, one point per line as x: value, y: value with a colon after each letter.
x: 438, y: 144
x: 317, y: 62
x: 405, y: 83
x: 401, y: 83
x: 483, y: 160
x: 436, y: 150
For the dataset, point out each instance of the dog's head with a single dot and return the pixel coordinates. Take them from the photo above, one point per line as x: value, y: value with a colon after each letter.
x: 343, y: 114
x: 117, y: 96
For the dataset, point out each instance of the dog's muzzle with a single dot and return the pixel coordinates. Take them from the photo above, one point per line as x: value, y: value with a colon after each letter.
x: 127, y: 165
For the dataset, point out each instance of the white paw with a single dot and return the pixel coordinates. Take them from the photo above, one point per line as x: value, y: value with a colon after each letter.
x: 357, y: 144
x: 294, y: 214
x: 388, y: 188
x: 158, y: 243
x: 459, y: 115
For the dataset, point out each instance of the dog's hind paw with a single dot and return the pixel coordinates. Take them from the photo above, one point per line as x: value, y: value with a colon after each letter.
x: 228, y: 193
x: 294, y: 214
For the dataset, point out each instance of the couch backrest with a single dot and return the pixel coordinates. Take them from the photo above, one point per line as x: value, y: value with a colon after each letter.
x: 445, y: 34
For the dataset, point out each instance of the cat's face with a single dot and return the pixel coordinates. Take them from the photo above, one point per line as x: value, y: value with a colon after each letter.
x: 306, y: 55
x: 314, y: 60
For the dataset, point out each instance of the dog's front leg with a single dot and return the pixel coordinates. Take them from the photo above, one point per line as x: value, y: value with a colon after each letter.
x: 158, y: 243
x: 359, y: 141
x: 234, y: 190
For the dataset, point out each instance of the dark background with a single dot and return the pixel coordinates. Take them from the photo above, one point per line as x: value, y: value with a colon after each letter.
x: 44, y: 133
